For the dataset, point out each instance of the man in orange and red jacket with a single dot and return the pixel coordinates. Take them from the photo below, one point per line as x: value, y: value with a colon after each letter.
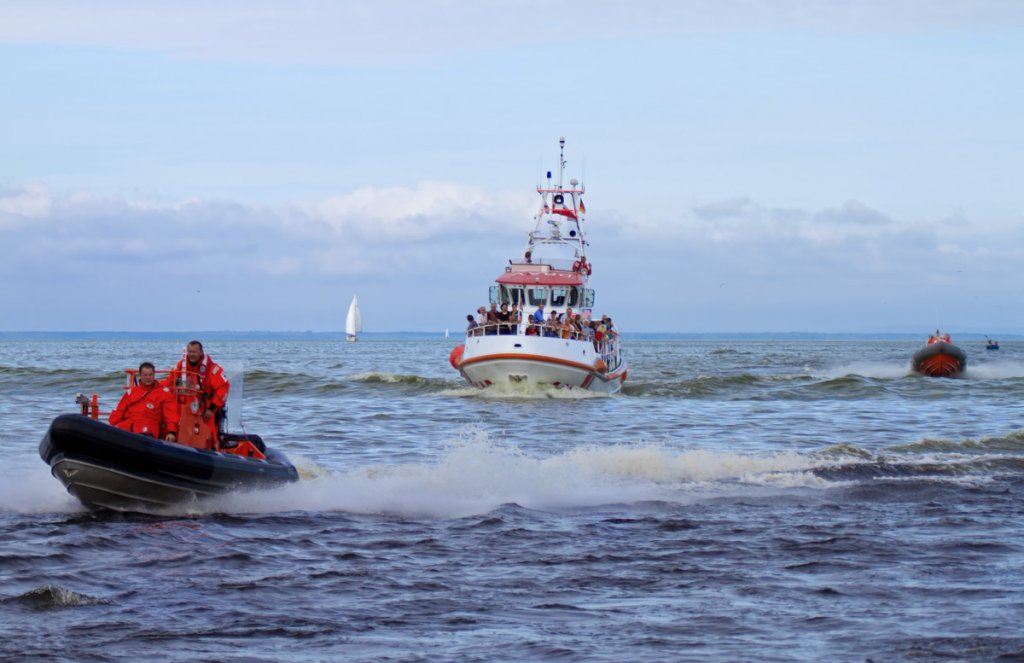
x: 147, y: 408
x: 202, y: 370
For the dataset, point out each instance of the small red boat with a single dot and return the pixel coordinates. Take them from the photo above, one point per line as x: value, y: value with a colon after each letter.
x: 939, y: 358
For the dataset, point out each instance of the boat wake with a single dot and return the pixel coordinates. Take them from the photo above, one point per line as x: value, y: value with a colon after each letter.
x: 384, y: 378
x: 475, y: 475
x: 995, y: 370
x: 522, y: 391
x: 878, y: 370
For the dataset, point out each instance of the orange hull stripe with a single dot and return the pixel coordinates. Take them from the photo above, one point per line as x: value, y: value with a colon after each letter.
x: 539, y: 358
x: 940, y: 365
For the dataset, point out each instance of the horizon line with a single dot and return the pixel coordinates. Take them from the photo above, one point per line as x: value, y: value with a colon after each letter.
x: 238, y: 334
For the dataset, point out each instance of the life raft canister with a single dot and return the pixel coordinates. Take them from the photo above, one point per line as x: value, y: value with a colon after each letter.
x: 455, y: 358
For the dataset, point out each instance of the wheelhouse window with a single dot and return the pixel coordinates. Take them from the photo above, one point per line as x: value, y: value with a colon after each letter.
x: 512, y: 294
x: 588, y: 298
x: 537, y: 296
x: 558, y: 295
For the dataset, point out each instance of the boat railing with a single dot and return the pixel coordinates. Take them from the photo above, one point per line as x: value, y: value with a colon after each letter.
x: 609, y: 350
x: 607, y: 347
x: 541, y: 264
x: 90, y: 406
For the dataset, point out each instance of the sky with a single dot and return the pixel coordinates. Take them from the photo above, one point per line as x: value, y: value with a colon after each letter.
x: 750, y: 165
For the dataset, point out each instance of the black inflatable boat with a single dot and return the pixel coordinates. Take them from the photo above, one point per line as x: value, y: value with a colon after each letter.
x: 110, y: 468
x: 939, y: 358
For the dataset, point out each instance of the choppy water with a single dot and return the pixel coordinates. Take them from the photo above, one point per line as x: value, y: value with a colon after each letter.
x: 739, y: 500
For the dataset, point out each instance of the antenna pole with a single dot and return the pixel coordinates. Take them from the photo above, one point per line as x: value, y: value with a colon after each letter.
x: 561, y: 159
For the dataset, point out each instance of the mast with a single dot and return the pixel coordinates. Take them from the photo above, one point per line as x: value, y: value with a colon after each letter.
x: 561, y: 160
x: 559, y: 221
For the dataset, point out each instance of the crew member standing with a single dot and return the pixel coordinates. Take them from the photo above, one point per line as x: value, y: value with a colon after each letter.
x: 209, y: 377
x: 147, y: 408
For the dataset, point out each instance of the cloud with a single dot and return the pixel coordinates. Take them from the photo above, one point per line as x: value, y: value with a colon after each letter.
x: 27, y: 201
x: 854, y: 213
x: 404, y: 215
x: 425, y: 255
x: 740, y: 220
x: 732, y: 208
x: 370, y: 230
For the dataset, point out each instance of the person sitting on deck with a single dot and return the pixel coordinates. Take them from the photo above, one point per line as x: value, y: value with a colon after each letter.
x: 577, y: 326
x: 148, y: 408
x: 504, y: 320
x: 609, y: 330
x: 552, y: 326
x: 586, y: 329
x: 536, y: 322
x: 491, y: 326
x: 599, y: 334
x: 566, y: 330
x: 516, y: 316
x: 471, y: 328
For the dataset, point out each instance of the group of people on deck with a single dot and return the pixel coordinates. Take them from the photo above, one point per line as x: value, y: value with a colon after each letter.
x: 938, y: 336
x: 506, y: 320
x: 151, y: 407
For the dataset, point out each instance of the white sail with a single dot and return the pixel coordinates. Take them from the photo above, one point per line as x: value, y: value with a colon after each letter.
x: 354, y: 320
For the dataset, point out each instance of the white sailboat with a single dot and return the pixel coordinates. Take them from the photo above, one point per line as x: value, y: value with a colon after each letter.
x: 354, y: 320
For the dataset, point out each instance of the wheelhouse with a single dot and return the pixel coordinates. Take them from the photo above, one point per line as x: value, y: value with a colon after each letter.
x: 529, y: 286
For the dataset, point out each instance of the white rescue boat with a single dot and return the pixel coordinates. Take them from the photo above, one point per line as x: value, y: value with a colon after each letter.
x: 540, y: 329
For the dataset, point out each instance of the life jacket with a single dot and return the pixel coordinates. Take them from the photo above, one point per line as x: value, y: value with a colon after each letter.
x: 151, y: 411
x: 210, y: 378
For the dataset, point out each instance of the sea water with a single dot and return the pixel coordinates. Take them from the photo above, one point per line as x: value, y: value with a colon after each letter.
x: 762, y: 500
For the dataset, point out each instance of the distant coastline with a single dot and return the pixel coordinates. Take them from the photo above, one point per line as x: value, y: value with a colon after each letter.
x: 427, y: 336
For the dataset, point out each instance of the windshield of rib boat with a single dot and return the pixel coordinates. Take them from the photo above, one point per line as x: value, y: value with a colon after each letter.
x: 233, y: 371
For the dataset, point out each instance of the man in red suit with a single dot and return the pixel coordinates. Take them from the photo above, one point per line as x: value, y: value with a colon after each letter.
x: 148, y: 408
x: 208, y: 376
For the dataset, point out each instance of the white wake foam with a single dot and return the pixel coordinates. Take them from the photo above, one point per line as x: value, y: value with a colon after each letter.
x: 36, y: 492
x: 521, y: 391
x: 994, y: 370
x: 871, y: 369
x: 477, y: 476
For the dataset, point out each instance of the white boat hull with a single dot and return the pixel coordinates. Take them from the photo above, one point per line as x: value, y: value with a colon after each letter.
x: 537, y: 361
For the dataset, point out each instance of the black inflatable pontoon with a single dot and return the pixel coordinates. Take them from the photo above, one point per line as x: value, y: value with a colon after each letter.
x: 109, y: 468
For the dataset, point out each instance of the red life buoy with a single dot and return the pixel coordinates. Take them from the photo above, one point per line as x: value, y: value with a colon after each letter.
x: 576, y: 266
x: 455, y: 358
